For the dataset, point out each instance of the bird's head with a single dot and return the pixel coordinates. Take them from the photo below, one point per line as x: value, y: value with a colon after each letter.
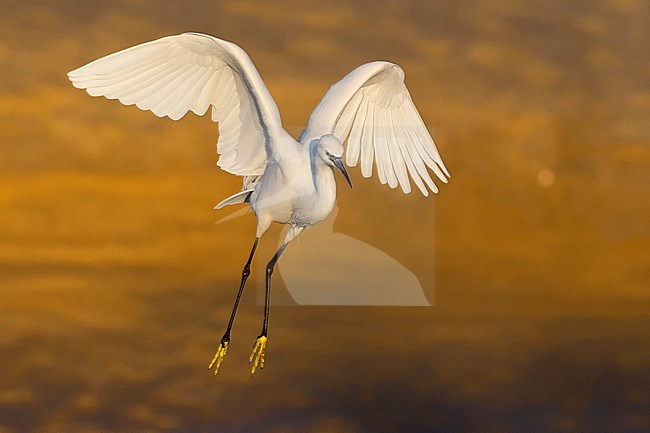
x: 330, y: 150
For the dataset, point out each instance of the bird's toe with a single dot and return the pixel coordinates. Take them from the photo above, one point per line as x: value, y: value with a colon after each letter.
x: 257, y: 357
x: 219, y: 356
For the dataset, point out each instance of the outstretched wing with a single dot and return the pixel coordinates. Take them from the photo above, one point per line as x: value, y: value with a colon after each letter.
x: 372, y: 108
x: 191, y: 72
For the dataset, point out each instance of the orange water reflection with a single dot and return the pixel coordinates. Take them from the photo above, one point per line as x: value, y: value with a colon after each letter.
x: 116, y: 283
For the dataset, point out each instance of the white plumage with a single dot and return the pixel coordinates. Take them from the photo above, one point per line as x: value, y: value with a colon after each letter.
x: 372, y: 108
x: 284, y: 180
x: 192, y: 72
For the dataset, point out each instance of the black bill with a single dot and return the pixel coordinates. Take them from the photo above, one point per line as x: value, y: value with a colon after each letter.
x: 338, y: 163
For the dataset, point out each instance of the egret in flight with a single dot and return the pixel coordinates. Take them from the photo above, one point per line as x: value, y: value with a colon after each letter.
x: 284, y: 181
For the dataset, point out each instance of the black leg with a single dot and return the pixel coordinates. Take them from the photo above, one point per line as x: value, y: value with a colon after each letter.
x: 225, y: 340
x: 258, y: 356
x: 267, y: 298
x: 244, y: 276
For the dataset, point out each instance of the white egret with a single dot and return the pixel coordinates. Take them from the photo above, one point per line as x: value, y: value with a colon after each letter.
x: 284, y: 180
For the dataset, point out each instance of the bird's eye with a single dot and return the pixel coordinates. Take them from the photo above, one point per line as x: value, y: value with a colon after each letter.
x: 328, y: 154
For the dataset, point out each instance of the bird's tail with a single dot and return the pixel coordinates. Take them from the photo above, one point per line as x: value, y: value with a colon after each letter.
x: 244, y: 196
x: 240, y: 197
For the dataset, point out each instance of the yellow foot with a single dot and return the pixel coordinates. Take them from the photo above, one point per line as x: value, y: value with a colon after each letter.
x: 258, y: 355
x: 219, y: 356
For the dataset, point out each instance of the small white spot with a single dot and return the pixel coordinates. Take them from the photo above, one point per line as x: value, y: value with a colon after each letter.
x: 546, y: 177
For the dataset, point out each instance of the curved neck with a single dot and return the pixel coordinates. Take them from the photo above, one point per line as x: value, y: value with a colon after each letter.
x: 320, y: 171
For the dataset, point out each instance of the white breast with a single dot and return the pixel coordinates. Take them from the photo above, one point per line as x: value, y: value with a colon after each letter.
x: 312, y: 208
x: 295, y: 195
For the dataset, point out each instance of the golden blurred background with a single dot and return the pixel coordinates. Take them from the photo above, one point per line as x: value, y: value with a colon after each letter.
x: 116, y: 284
